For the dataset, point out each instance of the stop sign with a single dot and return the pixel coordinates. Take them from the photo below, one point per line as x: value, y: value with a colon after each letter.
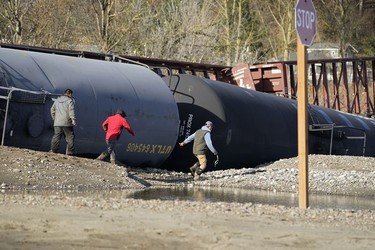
x: 305, y: 21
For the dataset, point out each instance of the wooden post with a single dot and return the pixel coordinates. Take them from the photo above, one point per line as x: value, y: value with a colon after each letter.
x: 302, y: 125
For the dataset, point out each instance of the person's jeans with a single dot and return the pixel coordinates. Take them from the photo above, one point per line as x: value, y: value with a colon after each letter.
x: 68, y: 133
x: 111, y: 145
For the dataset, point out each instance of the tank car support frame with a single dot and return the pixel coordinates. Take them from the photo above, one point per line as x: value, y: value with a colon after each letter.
x: 332, y: 126
x: 8, y: 98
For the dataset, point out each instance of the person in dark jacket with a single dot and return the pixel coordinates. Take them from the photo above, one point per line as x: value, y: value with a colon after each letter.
x: 64, y: 121
x: 113, y: 126
x: 202, y: 141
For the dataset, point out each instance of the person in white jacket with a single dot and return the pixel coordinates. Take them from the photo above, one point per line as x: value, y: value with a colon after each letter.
x: 202, y: 142
x: 64, y: 121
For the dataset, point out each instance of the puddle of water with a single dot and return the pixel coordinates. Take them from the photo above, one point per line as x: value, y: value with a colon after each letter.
x: 254, y: 196
x: 210, y: 194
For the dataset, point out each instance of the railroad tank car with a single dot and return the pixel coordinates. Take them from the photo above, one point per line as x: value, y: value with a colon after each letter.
x: 30, y: 81
x: 252, y: 128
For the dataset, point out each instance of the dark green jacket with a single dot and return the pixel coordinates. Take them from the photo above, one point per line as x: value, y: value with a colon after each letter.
x: 200, y: 146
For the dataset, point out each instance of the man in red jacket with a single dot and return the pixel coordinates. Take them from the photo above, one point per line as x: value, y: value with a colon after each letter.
x: 113, y: 126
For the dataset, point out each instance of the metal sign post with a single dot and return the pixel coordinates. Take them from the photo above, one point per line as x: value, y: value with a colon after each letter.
x: 305, y: 22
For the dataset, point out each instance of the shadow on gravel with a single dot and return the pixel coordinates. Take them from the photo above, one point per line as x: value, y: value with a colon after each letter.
x: 258, y: 171
x: 147, y: 181
x: 139, y: 180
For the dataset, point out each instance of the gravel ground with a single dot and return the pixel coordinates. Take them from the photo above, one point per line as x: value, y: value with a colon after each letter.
x: 342, y: 175
x: 37, y: 172
x: 23, y: 169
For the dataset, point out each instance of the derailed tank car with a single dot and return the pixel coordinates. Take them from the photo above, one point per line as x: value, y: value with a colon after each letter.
x: 31, y: 81
x: 251, y: 128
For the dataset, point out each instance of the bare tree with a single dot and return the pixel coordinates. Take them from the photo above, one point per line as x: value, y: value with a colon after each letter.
x: 239, y: 32
x: 180, y: 30
x: 277, y: 20
x: 114, y: 19
x: 128, y: 30
x: 345, y: 21
x: 104, y: 10
x: 50, y: 23
x: 220, y: 32
x: 13, y: 11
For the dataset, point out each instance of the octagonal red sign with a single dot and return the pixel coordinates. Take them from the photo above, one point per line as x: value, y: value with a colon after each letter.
x: 305, y: 21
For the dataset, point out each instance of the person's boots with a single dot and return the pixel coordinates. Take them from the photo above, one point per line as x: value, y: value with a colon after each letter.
x: 194, y: 168
x: 198, y: 172
x: 101, y: 157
